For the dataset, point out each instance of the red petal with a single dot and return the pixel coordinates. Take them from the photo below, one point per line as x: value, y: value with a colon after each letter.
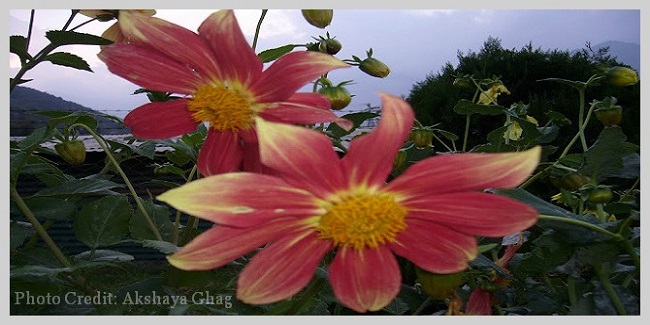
x: 311, y: 99
x: 221, y: 153
x: 365, y: 280
x: 252, y: 161
x: 238, y: 60
x: 220, y: 245
x: 435, y: 248
x: 290, y: 72
x: 241, y: 199
x: 370, y: 157
x: 480, y: 214
x: 281, y: 269
x: 288, y: 112
x: 479, y: 303
x: 305, y: 158
x: 161, y: 120
x: 149, y: 68
x: 177, y: 42
x: 466, y: 172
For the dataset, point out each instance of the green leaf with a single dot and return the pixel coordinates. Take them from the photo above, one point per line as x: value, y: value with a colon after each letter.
x: 448, y: 135
x: 18, y: 46
x: 272, y: 54
x: 69, y: 117
x: 50, y: 208
x: 35, y: 138
x: 58, y: 38
x: 35, y: 271
x: 18, y: 233
x: 103, y: 222
x: 160, y: 216
x: 161, y: 246
x: 356, y: 118
x: 466, y: 107
x: 79, y: 187
x: 103, y: 255
x: 68, y: 60
x: 605, y: 158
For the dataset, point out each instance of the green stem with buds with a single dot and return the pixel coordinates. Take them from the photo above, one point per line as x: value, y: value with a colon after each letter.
x: 137, y: 199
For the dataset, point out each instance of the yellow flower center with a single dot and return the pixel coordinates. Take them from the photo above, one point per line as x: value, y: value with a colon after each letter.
x: 223, y: 107
x: 363, y: 221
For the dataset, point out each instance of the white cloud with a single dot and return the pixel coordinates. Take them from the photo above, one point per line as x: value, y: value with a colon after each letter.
x: 483, y: 17
x: 430, y: 12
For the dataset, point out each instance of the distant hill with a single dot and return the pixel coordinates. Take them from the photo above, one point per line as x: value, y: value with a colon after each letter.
x: 624, y: 52
x: 25, y: 101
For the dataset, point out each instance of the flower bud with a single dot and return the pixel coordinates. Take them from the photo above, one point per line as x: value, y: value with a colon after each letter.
x: 600, y: 194
x: 569, y: 180
x: 318, y: 17
x: 329, y: 46
x: 621, y: 76
x: 400, y: 159
x: 422, y: 138
x: 374, y: 68
x: 439, y: 286
x: 609, y: 116
x: 72, y: 151
x: 339, y: 96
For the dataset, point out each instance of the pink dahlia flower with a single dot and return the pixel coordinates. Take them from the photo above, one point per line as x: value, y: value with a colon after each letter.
x: 316, y: 202
x: 224, y: 82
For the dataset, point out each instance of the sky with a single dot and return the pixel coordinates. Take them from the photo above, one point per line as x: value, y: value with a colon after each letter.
x: 412, y: 42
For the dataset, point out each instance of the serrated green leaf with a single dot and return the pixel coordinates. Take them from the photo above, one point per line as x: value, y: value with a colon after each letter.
x: 50, y: 208
x: 272, y: 54
x: 605, y: 158
x: 103, y: 222
x: 79, y: 187
x: 466, y: 107
x: 35, y: 138
x: 58, y: 38
x: 68, y: 60
x: 161, y: 218
x: 18, y: 46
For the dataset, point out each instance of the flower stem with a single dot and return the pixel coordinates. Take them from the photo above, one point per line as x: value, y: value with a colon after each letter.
x: 580, y: 122
x: 38, y: 227
x: 607, y: 285
x: 138, y: 202
x: 444, y: 144
x: 582, y: 224
x: 466, y: 132
x: 257, y: 29
x: 177, y: 222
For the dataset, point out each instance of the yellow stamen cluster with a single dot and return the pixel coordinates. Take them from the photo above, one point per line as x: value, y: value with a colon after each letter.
x: 363, y: 221
x: 224, y: 108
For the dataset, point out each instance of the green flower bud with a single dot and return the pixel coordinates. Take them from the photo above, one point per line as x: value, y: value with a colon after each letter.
x: 374, y: 68
x: 329, y: 46
x: 621, y: 76
x: 400, y: 159
x: 439, y: 286
x: 72, y: 151
x: 609, y: 116
x: 339, y: 96
x: 422, y: 138
x: 600, y: 194
x: 318, y: 18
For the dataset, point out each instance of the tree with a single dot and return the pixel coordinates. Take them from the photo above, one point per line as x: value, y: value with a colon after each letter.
x: 520, y: 71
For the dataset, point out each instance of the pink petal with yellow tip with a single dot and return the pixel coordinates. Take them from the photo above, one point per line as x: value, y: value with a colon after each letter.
x: 435, y: 248
x: 473, y: 213
x: 282, y: 268
x: 220, y: 245
x: 311, y: 163
x: 466, y: 172
x: 290, y: 72
x: 365, y: 280
x: 370, y: 157
x: 241, y: 199
x: 224, y: 36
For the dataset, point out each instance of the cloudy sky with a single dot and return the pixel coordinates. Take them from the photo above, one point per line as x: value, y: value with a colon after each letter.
x: 414, y: 43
